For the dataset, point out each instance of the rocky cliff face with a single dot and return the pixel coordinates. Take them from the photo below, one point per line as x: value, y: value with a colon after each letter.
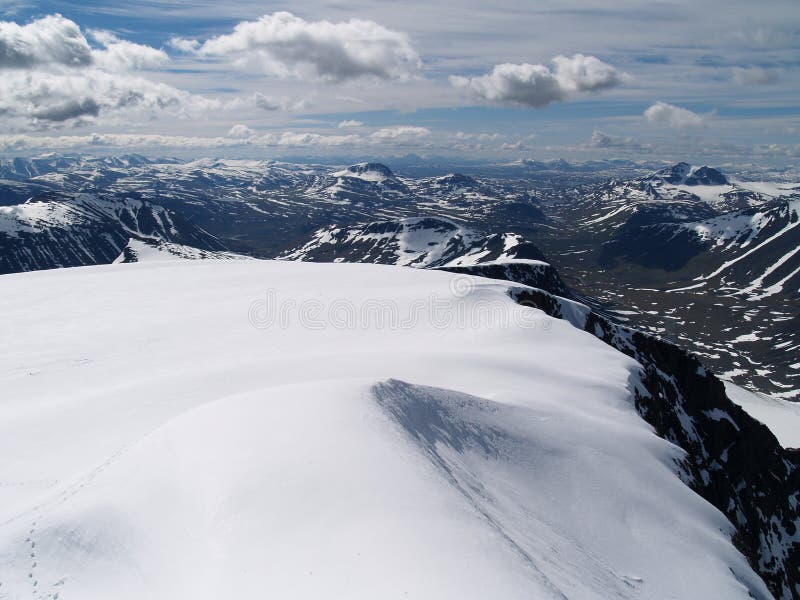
x: 527, y: 272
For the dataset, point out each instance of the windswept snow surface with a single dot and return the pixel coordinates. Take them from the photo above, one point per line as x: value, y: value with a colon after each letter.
x: 154, y: 443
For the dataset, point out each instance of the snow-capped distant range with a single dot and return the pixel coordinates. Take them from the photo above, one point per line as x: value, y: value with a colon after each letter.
x: 255, y: 207
x: 223, y: 459
x: 680, y: 246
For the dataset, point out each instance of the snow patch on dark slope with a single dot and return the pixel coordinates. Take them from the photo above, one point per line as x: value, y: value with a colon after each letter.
x: 414, y: 242
x: 742, y: 271
x: 418, y: 242
x: 725, y: 239
x: 68, y: 230
x: 759, y: 248
x: 453, y: 183
x: 714, y: 270
x: 680, y: 193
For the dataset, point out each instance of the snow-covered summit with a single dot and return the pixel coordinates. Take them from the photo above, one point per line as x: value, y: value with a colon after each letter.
x: 188, y: 444
x: 706, y: 176
x: 367, y: 171
x: 456, y: 180
x: 685, y: 174
x: 361, y: 184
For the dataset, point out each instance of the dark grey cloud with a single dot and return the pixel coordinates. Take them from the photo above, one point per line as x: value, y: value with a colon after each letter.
x: 41, y: 97
x: 604, y: 141
x: 271, y: 103
x: 69, y: 109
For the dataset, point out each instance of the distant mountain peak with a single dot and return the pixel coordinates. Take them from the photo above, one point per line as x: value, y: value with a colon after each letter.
x: 683, y: 173
x: 456, y: 180
x: 676, y: 174
x: 368, y: 168
x: 706, y: 176
x: 559, y: 163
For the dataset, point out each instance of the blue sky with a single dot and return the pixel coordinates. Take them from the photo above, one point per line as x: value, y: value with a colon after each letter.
x: 712, y: 80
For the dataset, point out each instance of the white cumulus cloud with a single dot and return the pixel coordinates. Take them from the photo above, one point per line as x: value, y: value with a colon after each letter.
x: 49, y: 40
x: 581, y: 73
x: 53, y: 76
x: 122, y: 55
x: 521, y: 85
x: 674, y: 116
x: 240, y: 131
x: 537, y: 85
x: 350, y: 123
x: 17, y: 142
x: 285, y: 45
x: 400, y: 132
x: 483, y: 137
x: 184, y: 45
x: 290, y: 138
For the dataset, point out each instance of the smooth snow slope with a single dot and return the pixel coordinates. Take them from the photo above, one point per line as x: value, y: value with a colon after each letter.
x: 781, y: 416
x: 155, y: 444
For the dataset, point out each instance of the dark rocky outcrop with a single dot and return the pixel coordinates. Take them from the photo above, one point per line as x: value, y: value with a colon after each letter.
x: 535, y: 275
x: 706, y: 176
x: 682, y: 174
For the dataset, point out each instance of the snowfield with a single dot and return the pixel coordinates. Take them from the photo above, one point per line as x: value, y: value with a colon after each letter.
x: 781, y: 416
x: 155, y: 443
